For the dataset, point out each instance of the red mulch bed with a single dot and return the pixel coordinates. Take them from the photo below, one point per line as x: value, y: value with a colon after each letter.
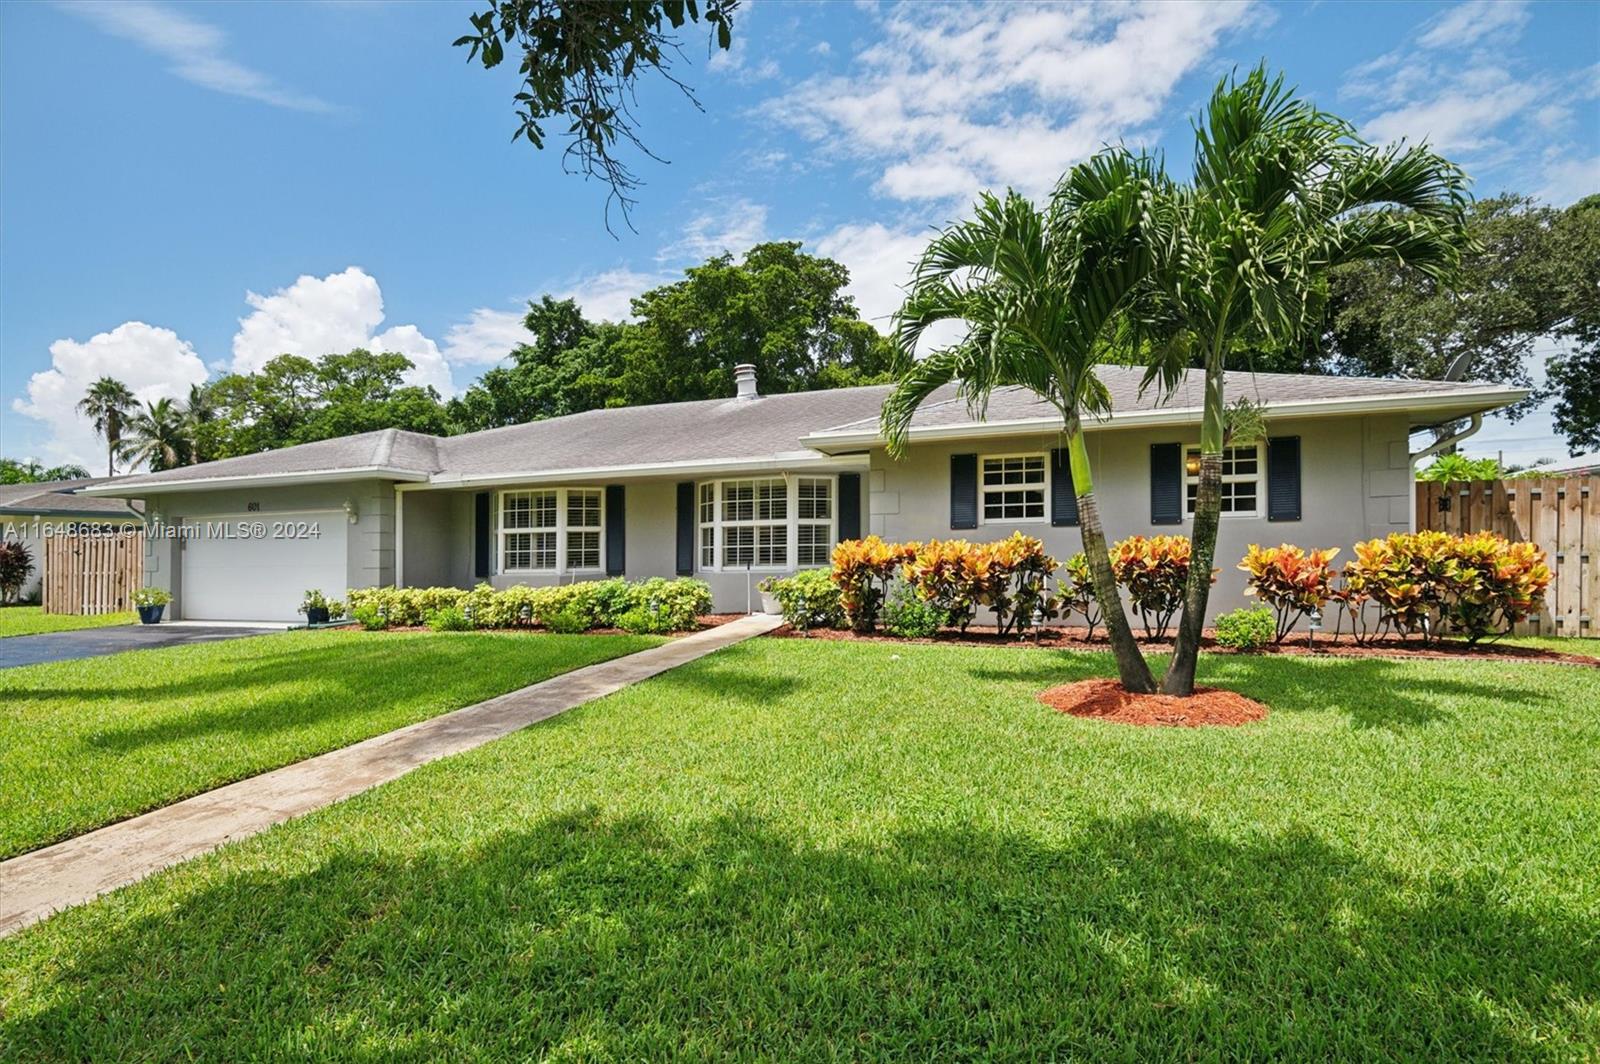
x: 1107, y: 700
x: 1325, y: 646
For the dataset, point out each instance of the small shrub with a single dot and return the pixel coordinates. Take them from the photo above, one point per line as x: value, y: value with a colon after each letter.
x: 808, y: 599
x: 1017, y: 582
x: 1246, y: 629
x: 609, y: 599
x: 863, y: 568
x: 449, y: 619
x: 16, y: 562
x: 568, y: 621
x: 1496, y: 583
x: 679, y: 603
x: 640, y: 621
x: 1077, y: 592
x: 368, y: 617
x: 910, y: 616
x: 1291, y: 581
x: 1458, y: 467
x: 1153, y: 570
x: 952, y: 574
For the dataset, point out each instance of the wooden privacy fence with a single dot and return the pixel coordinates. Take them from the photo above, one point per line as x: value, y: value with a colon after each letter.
x: 1561, y: 515
x: 95, y: 571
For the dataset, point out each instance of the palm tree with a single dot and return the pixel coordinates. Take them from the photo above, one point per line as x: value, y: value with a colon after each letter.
x: 159, y: 435
x: 198, y: 412
x: 107, y: 404
x: 1039, y: 293
x: 1281, y: 193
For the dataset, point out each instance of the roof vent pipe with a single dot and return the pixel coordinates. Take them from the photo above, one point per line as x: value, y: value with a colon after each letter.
x: 744, y: 381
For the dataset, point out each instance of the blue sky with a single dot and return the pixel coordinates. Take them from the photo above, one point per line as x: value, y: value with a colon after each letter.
x: 187, y: 188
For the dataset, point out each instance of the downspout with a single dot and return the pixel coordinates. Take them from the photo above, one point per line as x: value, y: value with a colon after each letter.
x: 1434, y: 448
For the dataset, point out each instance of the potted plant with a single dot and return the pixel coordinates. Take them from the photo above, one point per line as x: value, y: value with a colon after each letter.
x: 315, y: 606
x: 151, y: 602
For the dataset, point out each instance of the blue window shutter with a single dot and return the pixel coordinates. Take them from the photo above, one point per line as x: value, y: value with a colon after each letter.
x: 686, y: 526
x: 963, y: 491
x: 1063, y: 499
x: 1283, y: 478
x: 616, y: 530
x: 849, y: 506
x: 480, y: 534
x: 1166, y: 483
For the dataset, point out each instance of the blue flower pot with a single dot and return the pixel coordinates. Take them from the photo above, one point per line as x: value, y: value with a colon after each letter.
x: 150, y: 614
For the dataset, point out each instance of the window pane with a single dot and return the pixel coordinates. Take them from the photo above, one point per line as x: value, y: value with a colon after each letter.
x: 738, y: 500
x: 544, y: 550
x: 816, y: 500
x: 772, y: 544
x: 814, y: 548
x: 517, y: 551
x: 708, y: 547
x: 708, y: 504
x: 583, y: 550
x: 544, y: 509
x: 738, y: 546
x: 516, y: 510
x: 772, y: 500
x: 583, y: 508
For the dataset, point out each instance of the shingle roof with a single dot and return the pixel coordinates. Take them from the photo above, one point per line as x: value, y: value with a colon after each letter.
x: 722, y: 431
x: 59, y: 498
x: 1017, y: 404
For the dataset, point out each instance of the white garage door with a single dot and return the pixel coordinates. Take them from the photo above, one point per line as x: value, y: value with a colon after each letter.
x: 257, y: 567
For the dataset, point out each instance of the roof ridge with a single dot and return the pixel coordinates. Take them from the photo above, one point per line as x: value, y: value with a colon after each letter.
x: 380, y: 454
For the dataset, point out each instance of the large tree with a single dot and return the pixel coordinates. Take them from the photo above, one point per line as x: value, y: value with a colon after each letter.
x: 581, y: 61
x: 107, y: 404
x: 295, y: 400
x: 1038, y: 294
x: 1281, y: 193
x: 777, y: 307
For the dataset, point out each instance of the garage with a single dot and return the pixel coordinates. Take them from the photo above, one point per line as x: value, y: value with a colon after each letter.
x: 258, y: 567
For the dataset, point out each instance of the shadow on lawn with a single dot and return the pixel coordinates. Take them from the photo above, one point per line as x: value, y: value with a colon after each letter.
x: 1370, y: 692
x: 299, y: 688
x: 1142, y: 937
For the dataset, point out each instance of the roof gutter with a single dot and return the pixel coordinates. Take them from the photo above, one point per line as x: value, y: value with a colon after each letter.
x: 1449, y: 439
x: 794, y: 461
x: 137, y: 490
x: 1490, y: 400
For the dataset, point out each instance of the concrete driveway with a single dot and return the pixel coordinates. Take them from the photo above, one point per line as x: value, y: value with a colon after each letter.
x: 93, y: 642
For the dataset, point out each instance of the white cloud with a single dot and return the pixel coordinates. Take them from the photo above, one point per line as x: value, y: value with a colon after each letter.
x: 956, y: 98
x: 735, y: 63
x: 879, y: 260
x: 485, y: 337
x: 193, y: 48
x: 608, y: 296
x: 153, y: 362
x: 1464, y: 117
x: 1468, y: 23
x: 1568, y: 180
x: 317, y: 316
x: 731, y: 225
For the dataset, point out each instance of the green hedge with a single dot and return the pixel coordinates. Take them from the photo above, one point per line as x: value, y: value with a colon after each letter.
x: 667, y: 605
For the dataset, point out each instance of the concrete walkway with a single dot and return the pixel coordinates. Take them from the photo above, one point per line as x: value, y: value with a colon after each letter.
x: 45, y: 881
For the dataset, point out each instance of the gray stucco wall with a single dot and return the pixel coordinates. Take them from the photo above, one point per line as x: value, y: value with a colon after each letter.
x: 1355, y: 483
x: 369, y: 542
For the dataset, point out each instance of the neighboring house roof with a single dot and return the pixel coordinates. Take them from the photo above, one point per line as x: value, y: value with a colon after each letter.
x: 1582, y: 464
x: 60, y: 498
x: 775, y: 431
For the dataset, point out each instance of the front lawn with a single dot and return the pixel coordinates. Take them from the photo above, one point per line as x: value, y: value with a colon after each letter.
x: 32, y: 620
x: 92, y: 741
x: 801, y: 849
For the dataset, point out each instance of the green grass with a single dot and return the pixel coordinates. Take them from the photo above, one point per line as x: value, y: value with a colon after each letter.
x: 1562, y: 644
x: 92, y: 741
x: 820, y: 850
x: 32, y: 620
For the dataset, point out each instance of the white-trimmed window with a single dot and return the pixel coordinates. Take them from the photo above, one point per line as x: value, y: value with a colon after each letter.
x: 1241, y: 480
x: 766, y: 522
x: 552, y: 530
x: 1011, y: 488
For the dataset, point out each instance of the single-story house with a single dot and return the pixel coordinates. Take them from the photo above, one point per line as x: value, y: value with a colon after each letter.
x: 30, y: 512
x: 1582, y: 465
x: 734, y: 490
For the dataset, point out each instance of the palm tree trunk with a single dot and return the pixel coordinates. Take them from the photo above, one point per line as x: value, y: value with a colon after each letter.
x: 1132, y: 669
x: 1179, y: 679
